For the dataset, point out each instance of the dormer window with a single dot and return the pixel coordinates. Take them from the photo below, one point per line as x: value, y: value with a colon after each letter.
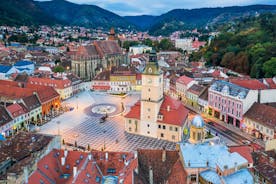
x: 150, y: 70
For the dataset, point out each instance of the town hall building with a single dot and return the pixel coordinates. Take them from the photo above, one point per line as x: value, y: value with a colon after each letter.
x: 156, y: 115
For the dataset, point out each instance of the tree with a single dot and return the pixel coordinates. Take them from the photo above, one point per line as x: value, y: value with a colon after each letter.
x: 59, y: 69
x: 227, y: 59
x: 166, y: 44
x: 270, y: 67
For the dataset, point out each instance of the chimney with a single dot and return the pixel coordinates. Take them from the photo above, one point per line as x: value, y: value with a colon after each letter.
x: 89, y: 156
x: 65, y: 153
x: 163, y: 154
x: 150, y: 175
x: 62, y: 161
x: 168, y: 108
x: 106, y: 156
x: 75, y: 170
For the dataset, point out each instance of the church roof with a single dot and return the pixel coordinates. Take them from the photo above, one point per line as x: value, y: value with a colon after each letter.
x: 198, y: 122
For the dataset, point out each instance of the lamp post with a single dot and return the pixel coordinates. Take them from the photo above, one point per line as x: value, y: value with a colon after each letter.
x: 104, y: 131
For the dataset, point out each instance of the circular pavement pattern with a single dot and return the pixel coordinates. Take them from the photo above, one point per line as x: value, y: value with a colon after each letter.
x: 103, y: 109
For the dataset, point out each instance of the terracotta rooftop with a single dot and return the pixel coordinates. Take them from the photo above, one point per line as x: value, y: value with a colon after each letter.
x: 103, y: 76
x: 4, y: 116
x: 271, y: 82
x: 20, y: 147
x: 164, y: 171
x: 176, y: 114
x: 253, y: 84
x: 196, y: 89
x: 31, y: 102
x: 243, y: 150
x: 122, y: 70
x: 52, y: 82
x: 263, y: 114
x: 134, y: 111
x: 15, y: 110
x: 88, y: 50
x: 92, y: 171
x: 265, y: 165
x: 184, y: 80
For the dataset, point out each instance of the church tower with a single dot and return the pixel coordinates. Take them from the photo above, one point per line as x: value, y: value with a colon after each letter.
x: 151, y: 96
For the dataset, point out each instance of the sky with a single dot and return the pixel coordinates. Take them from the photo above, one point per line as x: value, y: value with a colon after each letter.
x: 158, y: 7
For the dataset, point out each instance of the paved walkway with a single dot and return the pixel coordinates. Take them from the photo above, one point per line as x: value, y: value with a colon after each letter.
x: 84, y: 128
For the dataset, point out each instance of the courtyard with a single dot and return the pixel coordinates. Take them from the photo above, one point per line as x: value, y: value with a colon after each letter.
x: 84, y: 125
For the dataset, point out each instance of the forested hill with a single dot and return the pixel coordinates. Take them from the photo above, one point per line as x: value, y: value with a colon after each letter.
x: 247, y: 46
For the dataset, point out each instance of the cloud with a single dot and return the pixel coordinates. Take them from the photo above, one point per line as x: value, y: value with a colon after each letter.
x: 157, y: 7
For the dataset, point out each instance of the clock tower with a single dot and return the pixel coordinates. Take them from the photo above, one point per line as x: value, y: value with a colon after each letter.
x: 151, y: 96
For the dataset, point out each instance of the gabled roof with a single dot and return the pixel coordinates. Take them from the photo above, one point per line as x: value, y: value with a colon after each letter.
x: 263, y: 114
x: 253, y: 84
x: 176, y: 114
x: 31, y: 102
x: 15, y: 110
x: 196, y: 89
x: 4, y: 68
x: 153, y: 158
x: 55, y: 83
x: 244, y: 151
x: 4, y: 116
x: 107, y: 47
x: 134, y: 111
x: 184, y: 80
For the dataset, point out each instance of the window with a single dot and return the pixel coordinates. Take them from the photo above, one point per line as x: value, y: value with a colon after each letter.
x: 148, y: 117
x: 129, y: 121
x: 164, y: 127
x: 159, y: 126
x: 129, y: 129
x: 148, y: 132
x: 149, y: 90
x: 148, y: 125
x: 173, y: 137
x: 149, y: 109
x: 171, y: 128
x: 176, y: 129
x: 162, y: 135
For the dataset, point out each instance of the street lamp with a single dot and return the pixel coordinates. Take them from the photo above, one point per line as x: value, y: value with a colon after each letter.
x: 104, y: 131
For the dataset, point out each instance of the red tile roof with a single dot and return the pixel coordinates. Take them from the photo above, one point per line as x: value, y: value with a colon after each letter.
x: 55, y: 83
x: 162, y: 170
x: 52, y: 170
x: 176, y: 115
x: 184, y: 80
x: 244, y: 151
x: 263, y: 114
x: 271, y: 82
x: 15, y: 110
x: 134, y: 111
x: 253, y: 84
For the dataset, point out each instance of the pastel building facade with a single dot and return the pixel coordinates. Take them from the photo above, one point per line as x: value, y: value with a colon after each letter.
x: 228, y: 102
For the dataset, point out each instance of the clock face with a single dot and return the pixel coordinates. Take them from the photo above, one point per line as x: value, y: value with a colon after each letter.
x: 150, y: 70
x: 149, y: 81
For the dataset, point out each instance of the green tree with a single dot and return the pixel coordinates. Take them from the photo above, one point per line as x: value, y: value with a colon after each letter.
x: 59, y: 69
x: 270, y: 67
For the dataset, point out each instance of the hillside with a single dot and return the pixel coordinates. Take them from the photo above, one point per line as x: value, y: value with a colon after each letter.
x: 29, y: 12
x: 181, y: 19
x: 143, y: 21
x: 23, y: 12
x: 82, y: 15
x: 247, y: 46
